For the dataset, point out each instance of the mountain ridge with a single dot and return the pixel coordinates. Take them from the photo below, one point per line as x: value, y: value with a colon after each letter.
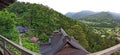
x: 105, y: 19
x: 87, y: 12
x: 78, y: 14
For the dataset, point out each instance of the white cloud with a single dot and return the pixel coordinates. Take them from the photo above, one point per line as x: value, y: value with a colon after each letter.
x: 64, y: 6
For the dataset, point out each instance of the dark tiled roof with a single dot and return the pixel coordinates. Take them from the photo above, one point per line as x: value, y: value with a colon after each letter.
x: 70, y: 51
x: 5, y: 3
x: 57, y: 41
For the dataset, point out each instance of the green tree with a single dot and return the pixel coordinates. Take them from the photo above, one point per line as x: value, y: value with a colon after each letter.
x: 7, y: 24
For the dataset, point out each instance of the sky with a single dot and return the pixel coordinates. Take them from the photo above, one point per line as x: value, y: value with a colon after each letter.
x: 64, y: 6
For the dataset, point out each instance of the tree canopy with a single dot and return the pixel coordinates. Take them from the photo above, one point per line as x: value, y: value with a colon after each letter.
x: 41, y: 21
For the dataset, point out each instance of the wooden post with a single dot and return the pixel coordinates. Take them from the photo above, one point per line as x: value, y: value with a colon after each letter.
x: 20, y: 39
x: 118, y: 52
x: 6, y: 51
x: 24, y: 53
x: 4, y: 45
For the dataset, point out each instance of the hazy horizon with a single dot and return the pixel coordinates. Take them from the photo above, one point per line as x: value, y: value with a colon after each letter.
x: 64, y: 6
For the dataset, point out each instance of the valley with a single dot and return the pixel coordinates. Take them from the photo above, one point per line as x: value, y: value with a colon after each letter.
x: 93, y: 34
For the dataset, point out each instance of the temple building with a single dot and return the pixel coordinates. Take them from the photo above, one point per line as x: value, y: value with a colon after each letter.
x: 61, y: 44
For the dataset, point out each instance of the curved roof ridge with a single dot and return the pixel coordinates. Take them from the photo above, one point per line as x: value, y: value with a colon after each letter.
x: 59, y: 40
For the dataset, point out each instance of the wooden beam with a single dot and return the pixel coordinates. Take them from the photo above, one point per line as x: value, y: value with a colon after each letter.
x: 2, y: 5
x: 20, y: 48
x: 5, y: 3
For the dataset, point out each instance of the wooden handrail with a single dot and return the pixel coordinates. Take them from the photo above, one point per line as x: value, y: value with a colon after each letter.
x: 20, y: 48
x: 25, y: 51
x: 108, y: 51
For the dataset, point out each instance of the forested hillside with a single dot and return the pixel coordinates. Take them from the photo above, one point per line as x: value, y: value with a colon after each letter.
x: 42, y: 20
x: 103, y: 19
x: 106, y: 24
x: 102, y: 22
x: 98, y: 19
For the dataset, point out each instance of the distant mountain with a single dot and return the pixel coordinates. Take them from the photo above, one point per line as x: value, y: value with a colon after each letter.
x: 69, y: 14
x: 98, y: 19
x: 79, y: 14
x: 116, y: 15
x: 102, y: 19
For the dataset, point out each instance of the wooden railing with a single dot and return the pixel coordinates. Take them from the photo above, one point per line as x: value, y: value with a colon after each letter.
x: 10, y: 48
x: 109, y: 51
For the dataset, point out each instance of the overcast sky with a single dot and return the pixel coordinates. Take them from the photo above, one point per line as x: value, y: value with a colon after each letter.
x: 64, y: 6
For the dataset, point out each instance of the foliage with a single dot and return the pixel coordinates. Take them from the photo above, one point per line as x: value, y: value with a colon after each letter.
x: 7, y: 23
x: 29, y: 45
x: 42, y: 20
x: 101, y: 23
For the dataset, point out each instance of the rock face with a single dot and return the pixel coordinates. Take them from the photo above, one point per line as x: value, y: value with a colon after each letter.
x: 34, y: 39
x: 5, y: 3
